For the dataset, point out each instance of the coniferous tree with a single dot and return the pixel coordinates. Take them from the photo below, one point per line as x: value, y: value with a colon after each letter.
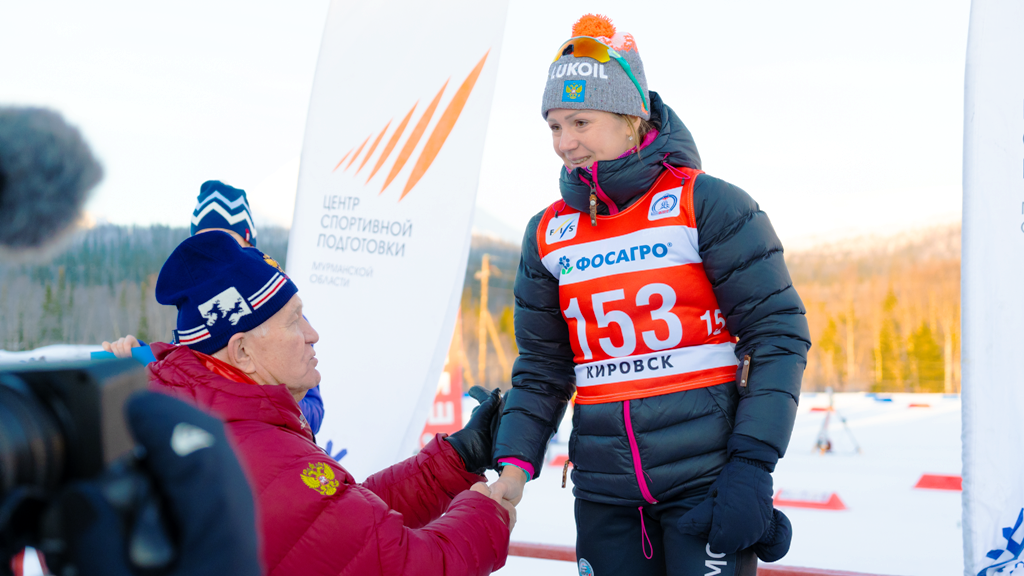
x: 889, y: 372
x: 143, y: 333
x: 833, y: 353
x: 927, y: 359
x: 51, y: 330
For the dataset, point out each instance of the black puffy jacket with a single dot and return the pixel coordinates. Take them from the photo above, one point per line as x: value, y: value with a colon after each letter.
x: 684, y: 438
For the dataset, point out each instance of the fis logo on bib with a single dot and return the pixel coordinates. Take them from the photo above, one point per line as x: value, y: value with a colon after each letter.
x: 562, y: 228
x: 575, y: 91
x: 664, y: 204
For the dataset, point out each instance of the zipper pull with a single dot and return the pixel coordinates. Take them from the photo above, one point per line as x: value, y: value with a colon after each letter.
x: 565, y: 471
x: 593, y: 206
x: 745, y: 373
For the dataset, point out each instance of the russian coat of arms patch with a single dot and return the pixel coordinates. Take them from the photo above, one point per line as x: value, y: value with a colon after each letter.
x: 320, y: 477
x: 574, y: 91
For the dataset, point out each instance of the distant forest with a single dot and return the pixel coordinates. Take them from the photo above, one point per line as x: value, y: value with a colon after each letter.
x: 101, y: 287
x: 884, y: 313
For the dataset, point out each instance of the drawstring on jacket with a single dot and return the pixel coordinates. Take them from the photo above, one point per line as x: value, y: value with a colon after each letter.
x: 675, y: 171
x: 557, y: 210
x: 645, y: 540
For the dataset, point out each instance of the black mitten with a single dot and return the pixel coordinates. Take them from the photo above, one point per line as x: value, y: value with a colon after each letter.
x: 738, y: 509
x: 475, y: 442
x: 775, y: 542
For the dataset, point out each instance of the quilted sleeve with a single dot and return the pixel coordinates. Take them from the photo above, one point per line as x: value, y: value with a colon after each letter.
x: 543, y: 379
x: 743, y: 260
x: 349, y: 531
x: 471, y: 539
x: 422, y: 487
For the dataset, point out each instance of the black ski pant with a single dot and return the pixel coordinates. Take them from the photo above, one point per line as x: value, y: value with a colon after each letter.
x: 644, y: 541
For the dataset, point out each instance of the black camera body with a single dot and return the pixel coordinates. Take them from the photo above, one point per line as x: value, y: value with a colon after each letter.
x: 59, y: 422
x: 72, y: 481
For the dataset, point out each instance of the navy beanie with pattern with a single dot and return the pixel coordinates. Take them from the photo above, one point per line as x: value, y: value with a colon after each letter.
x: 221, y: 206
x: 220, y: 289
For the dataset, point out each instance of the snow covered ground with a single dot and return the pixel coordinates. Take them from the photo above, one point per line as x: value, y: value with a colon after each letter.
x: 55, y: 352
x: 888, y: 527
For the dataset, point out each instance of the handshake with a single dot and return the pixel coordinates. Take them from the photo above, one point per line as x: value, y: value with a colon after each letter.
x: 475, y: 444
x: 497, y: 496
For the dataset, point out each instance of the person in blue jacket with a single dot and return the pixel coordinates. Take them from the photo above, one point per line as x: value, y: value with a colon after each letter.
x: 222, y: 207
x: 659, y: 296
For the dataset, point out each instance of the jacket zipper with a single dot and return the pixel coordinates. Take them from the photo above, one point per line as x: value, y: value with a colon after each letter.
x: 593, y: 205
x: 635, y: 450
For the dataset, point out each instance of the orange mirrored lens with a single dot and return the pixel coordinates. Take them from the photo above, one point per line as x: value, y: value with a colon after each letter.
x: 585, y: 48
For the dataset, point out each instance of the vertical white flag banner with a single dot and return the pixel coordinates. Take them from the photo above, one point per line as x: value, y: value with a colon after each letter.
x: 992, y: 289
x: 380, y: 238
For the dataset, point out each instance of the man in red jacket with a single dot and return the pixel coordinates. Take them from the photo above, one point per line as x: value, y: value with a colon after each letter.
x: 245, y: 356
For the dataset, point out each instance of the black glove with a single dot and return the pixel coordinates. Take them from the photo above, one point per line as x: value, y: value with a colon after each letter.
x: 738, y: 509
x: 475, y: 442
x: 182, y: 506
x: 774, y: 544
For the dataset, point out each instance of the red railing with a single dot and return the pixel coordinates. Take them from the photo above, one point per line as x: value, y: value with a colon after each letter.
x: 568, y: 554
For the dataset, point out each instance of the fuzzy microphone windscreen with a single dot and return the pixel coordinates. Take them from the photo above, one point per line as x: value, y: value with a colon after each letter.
x: 46, y: 173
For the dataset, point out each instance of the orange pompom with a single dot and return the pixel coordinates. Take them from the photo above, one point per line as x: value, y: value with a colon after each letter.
x: 593, y: 25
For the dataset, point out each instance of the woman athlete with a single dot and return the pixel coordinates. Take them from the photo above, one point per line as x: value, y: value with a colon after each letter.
x: 659, y: 296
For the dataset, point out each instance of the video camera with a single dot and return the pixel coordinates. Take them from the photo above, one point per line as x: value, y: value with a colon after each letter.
x: 60, y: 423
x: 73, y: 482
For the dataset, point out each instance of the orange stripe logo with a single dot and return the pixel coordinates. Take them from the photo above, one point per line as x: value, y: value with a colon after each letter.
x: 434, y: 142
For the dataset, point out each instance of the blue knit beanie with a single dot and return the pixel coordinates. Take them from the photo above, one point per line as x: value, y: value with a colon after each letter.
x: 221, y: 206
x: 220, y: 289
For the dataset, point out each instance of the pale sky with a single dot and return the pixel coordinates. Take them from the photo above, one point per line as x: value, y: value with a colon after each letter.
x: 839, y: 118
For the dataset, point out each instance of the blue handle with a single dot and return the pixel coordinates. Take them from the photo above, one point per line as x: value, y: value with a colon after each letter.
x: 141, y: 353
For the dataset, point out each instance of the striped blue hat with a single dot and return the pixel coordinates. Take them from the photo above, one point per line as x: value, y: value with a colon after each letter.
x: 221, y: 206
x: 220, y: 289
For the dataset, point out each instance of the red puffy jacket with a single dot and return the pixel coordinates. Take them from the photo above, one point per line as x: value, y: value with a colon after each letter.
x: 314, y: 518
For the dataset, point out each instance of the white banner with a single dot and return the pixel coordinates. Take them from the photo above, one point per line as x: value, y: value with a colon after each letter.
x: 993, y: 290
x: 387, y: 186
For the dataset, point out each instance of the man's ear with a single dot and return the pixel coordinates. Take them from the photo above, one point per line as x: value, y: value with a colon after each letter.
x: 237, y: 354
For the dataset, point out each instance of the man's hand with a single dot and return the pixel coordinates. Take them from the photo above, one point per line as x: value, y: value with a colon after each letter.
x: 509, y: 486
x: 481, y: 488
x: 122, y: 348
x: 508, y: 506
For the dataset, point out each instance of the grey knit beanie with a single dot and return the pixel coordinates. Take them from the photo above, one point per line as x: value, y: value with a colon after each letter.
x: 582, y: 83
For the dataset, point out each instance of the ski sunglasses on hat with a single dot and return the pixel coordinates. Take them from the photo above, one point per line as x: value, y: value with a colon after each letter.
x: 587, y: 47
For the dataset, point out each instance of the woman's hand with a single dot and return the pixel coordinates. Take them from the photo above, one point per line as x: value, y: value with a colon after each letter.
x: 509, y: 486
x: 122, y: 348
x: 737, y: 511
